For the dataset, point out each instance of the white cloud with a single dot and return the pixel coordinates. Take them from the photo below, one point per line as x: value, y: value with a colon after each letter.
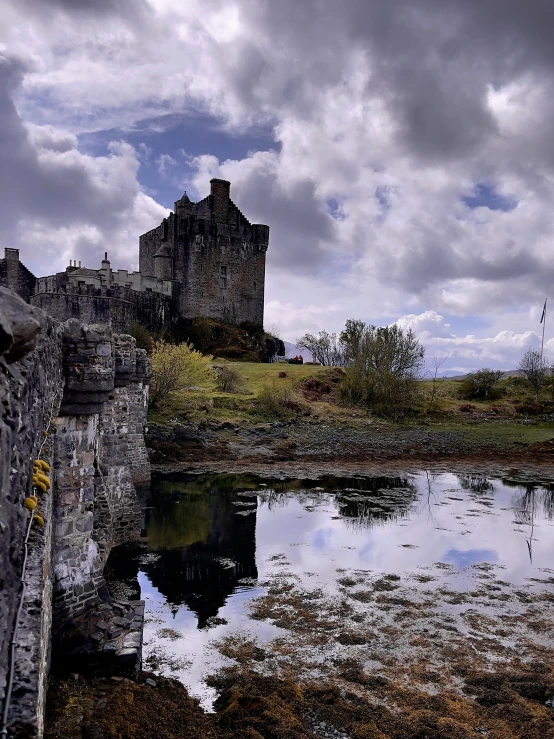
x: 501, y: 351
x: 385, y: 116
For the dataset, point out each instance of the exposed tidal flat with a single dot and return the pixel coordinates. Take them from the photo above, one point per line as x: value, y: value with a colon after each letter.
x: 408, y: 604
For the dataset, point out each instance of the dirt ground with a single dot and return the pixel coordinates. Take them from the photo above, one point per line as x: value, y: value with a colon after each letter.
x: 179, y: 446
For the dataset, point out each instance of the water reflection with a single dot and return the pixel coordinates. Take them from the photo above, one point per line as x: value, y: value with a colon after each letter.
x: 377, y: 500
x: 212, y: 543
x: 203, y: 548
x: 201, y: 531
x: 476, y: 483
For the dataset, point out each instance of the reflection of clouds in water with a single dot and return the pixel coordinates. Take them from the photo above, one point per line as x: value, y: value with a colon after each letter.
x: 393, y: 525
x: 321, y: 538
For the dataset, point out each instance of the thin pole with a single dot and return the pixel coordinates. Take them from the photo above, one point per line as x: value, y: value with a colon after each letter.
x: 543, y: 327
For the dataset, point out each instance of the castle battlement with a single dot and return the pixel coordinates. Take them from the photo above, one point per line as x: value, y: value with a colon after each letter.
x: 205, y: 259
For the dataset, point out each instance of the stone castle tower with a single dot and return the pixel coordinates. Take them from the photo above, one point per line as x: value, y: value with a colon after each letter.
x: 214, y: 256
x: 204, y: 260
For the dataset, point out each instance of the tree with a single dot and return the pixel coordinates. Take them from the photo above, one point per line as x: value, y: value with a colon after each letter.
x: 176, y: 367
x: 383, y: 371
x: 533, y: 367
x: 438, y: 361
x: 350, y: 339
x: 324, y: 348
x: 480, y: 385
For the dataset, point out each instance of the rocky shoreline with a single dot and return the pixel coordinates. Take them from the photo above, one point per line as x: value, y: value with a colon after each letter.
x: 211, y: 447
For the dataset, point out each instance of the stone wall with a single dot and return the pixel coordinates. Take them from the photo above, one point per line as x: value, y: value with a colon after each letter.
x: 99, y: 436
x: 30, y: 381
x: 116, y: 306
x: 90, y: 387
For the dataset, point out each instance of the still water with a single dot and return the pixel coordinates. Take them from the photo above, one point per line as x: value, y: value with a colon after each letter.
x: 212, y: 543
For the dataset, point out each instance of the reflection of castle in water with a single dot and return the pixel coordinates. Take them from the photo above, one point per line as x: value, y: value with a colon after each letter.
x: 204, y: 546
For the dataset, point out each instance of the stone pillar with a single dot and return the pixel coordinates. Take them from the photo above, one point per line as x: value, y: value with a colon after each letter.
x: 77, y: 561
x: 88, y: 368
x: 139, y: 461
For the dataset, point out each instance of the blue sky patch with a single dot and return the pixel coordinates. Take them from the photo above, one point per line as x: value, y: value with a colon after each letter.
x: 461, y: 559
x: 171, y: 135
x: 485, y: 196
x: 334, y: 208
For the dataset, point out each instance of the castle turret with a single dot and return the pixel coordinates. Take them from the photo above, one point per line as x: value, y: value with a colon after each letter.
x: 163, y: 262
x: 183, y: 206
x: 220, y: 190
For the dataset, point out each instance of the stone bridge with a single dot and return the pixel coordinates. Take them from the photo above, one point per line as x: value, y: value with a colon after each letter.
x: 75, y: 397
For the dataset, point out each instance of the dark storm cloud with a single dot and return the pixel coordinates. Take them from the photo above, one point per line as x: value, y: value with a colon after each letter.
x: 300, y: 226
x: 55, y: 193
x: 432, y: 59
x: 95, y: 7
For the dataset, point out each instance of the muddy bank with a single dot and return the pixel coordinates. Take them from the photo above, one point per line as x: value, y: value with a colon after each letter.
x: 506, y: 704
x: 305, y: 444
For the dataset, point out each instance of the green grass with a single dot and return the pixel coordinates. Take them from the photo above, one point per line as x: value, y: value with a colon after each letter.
x: 241, y: 408
x: 256, y: 374
x: 501, y: 433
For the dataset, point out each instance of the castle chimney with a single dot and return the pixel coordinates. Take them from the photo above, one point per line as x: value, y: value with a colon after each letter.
x: 220, y: 199
x: 11, y: 255
x: 12, y: 268
x: 105, y: 271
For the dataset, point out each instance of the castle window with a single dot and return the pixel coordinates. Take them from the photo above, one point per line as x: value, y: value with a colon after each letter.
x: 148, y: 289
x: 223, y: 277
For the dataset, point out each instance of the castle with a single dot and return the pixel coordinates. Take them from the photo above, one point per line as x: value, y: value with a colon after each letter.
x: 205, y: 259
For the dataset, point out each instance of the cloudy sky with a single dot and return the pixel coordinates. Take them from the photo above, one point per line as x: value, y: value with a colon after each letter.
x: 401, y: 152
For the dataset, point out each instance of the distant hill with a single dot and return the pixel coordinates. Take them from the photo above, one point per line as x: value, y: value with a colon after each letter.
x: 454, y: 375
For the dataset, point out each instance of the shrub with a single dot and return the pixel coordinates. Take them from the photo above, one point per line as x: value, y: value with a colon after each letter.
x: 467, y: 408
x: 144, y: 338
x: 276, y: 399
x: 533, y: 408
x: 481, y: 385
x: 176, y: 367
x: 315, y: 389
x: 229, y: 380
x: 383, y: 374
x: 515, y: 386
